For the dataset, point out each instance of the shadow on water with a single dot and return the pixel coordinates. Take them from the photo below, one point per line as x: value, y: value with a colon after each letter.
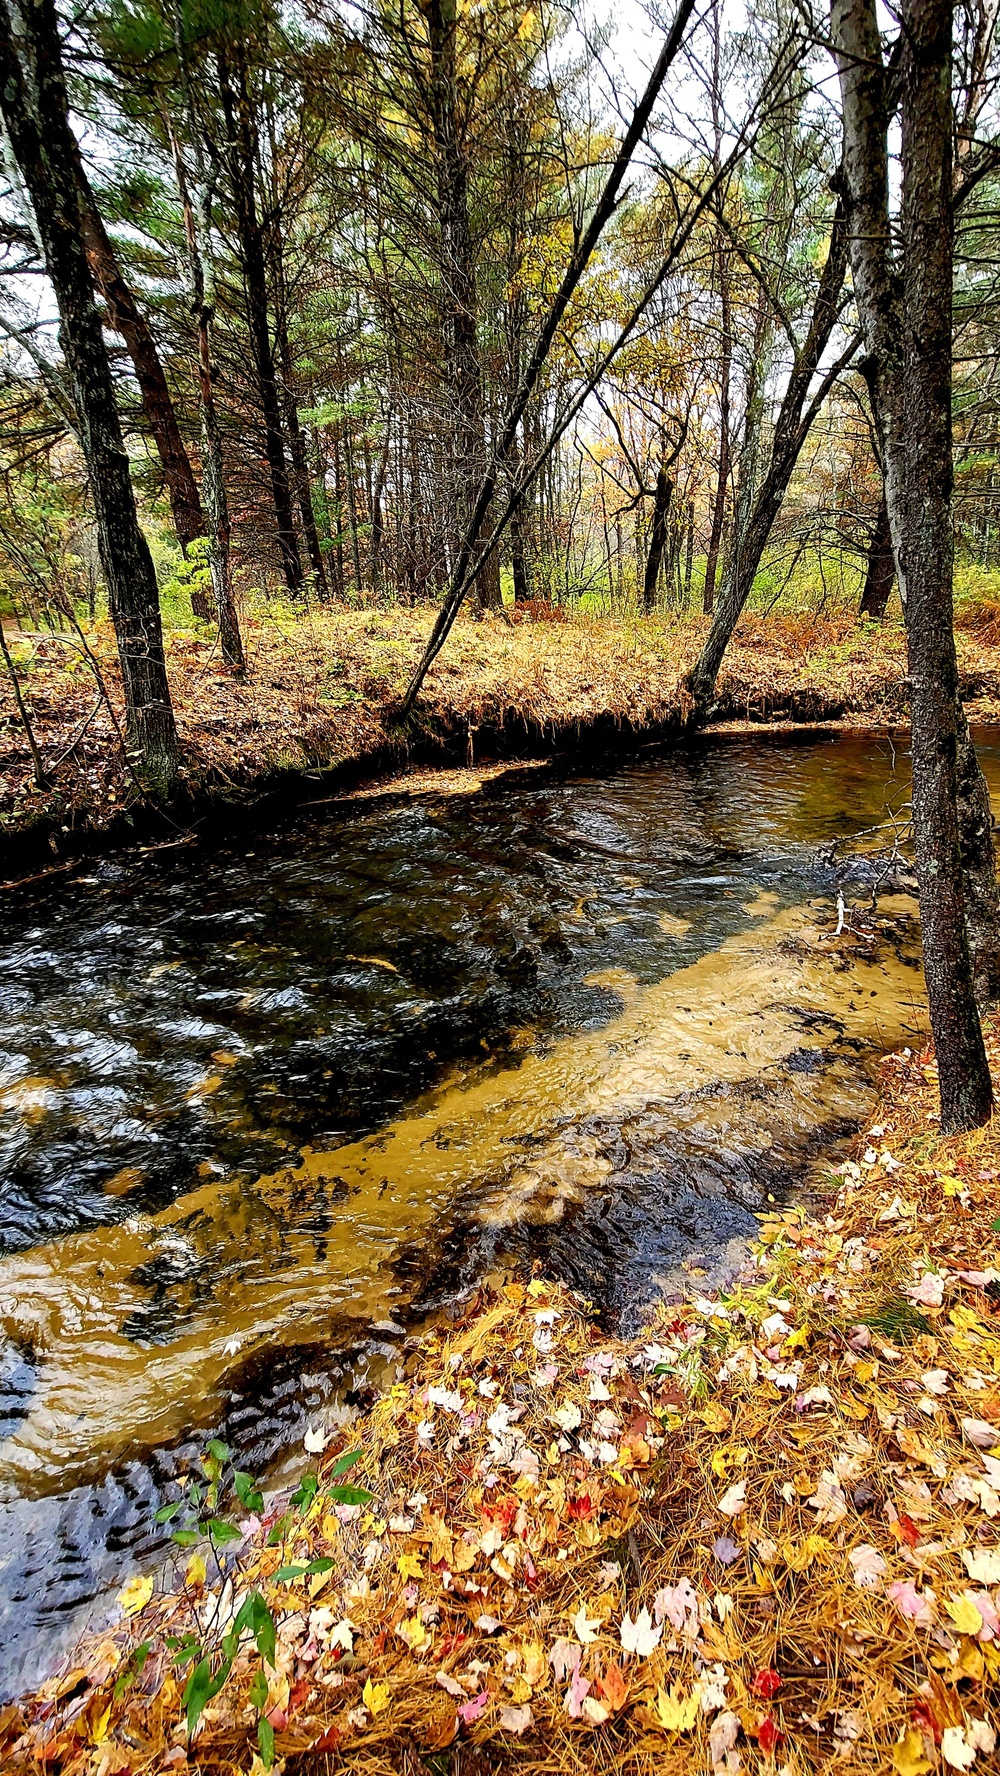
x: 261, y: 1109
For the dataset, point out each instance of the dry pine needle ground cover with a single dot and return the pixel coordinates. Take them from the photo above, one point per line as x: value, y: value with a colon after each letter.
x: 322, y: 688
x: 765, y: 1536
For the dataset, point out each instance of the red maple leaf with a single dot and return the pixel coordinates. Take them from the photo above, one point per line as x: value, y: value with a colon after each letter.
x: 768, y: 1735
x: 767, y: 1684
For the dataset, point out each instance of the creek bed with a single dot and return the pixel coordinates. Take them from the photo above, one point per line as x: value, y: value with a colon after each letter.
x: 262, y: 1106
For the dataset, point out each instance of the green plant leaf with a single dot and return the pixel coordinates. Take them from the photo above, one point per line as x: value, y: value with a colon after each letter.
x: 258, y: 1689
x: 248, y: 1492
x: 221, y: 1531
x: 343, y: 1462
x: 221, y: 1451
x: 265, y: 1739
x: 136, y: 1661
x: 349, y: 1495
x: 166, y: 1513
x: 201, y: 1686
x: 286, y: 1574
x: 185, y: 1538
x: 304, y: 1494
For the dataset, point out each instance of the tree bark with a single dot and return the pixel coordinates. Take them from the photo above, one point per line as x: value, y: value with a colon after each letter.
x: 463, y: 367
x: 297, y: 444
x: 242, y: 178
x: 197, y: 211
x: 880, y: 575
x: 125, y: 317
x: 906, y: 318
x: 35, y: 108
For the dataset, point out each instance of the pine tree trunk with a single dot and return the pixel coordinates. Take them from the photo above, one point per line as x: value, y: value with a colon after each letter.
x: 463, y: 367
x: 125, y: 317
x: 35, y: 109
x: 242, y: 178
x: 907, y: 323
x: 722, y: 478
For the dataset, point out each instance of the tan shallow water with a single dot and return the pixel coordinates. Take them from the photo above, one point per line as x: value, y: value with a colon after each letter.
x: 304, y: 1249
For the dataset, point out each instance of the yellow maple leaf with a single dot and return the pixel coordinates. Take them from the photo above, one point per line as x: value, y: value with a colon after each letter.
x: 964, y: 1614
x: 908, y: 1756
x: 134, y: 1596
x: 798, y: 1339
x: 675, y: 1712
x: 414, y: 1633
x: 376, y: 1697
x: 409, y: 1567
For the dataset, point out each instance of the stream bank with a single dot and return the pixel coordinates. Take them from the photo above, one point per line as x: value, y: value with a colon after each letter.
x: 316, y: 716
x: 765, y: 1528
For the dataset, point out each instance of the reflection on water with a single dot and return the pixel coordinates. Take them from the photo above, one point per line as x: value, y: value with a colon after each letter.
x: 258, y: 1101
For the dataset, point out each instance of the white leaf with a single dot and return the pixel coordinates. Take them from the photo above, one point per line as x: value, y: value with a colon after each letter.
x: 956, y: 1750
x: 639, y: 1637
x: 315, y: 1441
x: 869, y: 1567
x: 980, y: 1734
x: 983, y: 1435
x: 567, y: 1416
x: 452, y: 1685
x: 449, y: 1399
x: 936, y: 1381
x: 517, y: 1720
x: 734, y: 1500
x: 929, y: 1292
x: 983, y: 1565
x: 586, y: 1628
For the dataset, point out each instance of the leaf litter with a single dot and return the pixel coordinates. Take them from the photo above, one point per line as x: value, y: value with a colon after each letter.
x: 696, y: 1565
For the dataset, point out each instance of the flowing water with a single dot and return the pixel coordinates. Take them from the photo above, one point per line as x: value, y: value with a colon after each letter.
x: 263, y: 1105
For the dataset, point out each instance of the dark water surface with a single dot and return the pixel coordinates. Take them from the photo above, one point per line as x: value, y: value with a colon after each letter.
x: 260, y: 1104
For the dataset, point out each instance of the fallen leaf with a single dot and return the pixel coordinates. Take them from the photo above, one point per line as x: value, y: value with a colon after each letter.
x: 675, y: 1712
x: 517, y: 1720
x: 964, y: 1614
x: 869, y: 1567
x: 135, y: 1595
x: 983, y: 1565
x: 983, y: 1435
x: 956, y: 1750
x: 471, y: 1710
x: 911, y: 1603
x: 734, y: 1500
x: 908, y: 1757
x: 376, y: 1697
x: 586, y: 1628
x: 639, y: 1637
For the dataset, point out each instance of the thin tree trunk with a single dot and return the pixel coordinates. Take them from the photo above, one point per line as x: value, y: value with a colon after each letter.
x: 36, y: 112
x: 722, y: 478
x: 880, y: 573
x: 296, y: 441
x: 795, y: 416
x: 657, y: 539
x: 907, y: 323
x: 463, y: 366
x: 197, y: 211
x: 241, y: 157
x: 125, y: 317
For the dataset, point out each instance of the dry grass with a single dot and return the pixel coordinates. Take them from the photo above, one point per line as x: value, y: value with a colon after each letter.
x: 323, y: 687
x: 795, y: 1482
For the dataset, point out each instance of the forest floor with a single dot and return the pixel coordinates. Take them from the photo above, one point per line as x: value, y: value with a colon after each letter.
x: 762, y: 1536
x: 323, y: 689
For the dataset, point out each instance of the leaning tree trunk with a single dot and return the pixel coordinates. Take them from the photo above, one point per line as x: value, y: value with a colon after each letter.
x: 795, y: 416
x: 463, y: 364
x: 126, y: 318
x: 906, y: 319
x: 35, y: 108
x: 880, y: 573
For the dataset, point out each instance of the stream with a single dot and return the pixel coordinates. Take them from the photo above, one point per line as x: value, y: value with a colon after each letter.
x: 264, y: 1105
